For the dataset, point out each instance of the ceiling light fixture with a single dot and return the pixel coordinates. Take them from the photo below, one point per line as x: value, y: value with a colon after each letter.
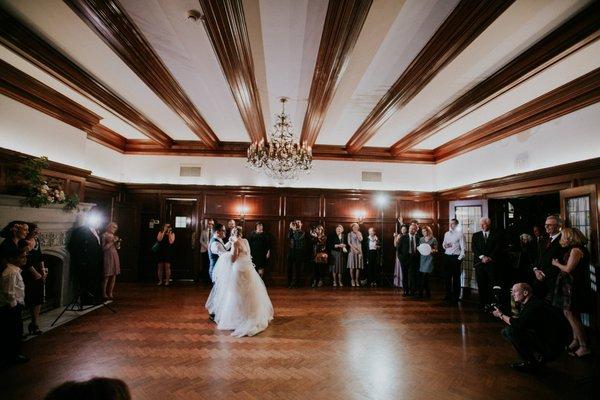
x: 280, y: 157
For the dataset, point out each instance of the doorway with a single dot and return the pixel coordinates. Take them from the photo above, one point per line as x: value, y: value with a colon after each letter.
x: 181, y: 214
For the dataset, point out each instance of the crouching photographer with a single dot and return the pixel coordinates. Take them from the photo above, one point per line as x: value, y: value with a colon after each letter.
x: 538, y: 333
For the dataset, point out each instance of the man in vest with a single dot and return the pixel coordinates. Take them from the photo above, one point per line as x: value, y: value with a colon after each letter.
x: 216, y: 247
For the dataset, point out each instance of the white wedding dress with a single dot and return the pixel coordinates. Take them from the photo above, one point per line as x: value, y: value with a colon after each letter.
x: 239, y: 298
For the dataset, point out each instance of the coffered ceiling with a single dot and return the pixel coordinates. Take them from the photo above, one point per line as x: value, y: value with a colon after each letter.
x: 411, y: 81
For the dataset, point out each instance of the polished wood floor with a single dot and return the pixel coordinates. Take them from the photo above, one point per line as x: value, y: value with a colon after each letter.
x: 324, y: 344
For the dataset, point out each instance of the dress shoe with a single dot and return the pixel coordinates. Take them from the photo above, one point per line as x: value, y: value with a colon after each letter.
x: 211, y: 317
x: 34, y: 329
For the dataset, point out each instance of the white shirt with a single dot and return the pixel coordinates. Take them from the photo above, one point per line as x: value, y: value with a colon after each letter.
x: 217, y: 247
x: 456, y: 240
x: 13, y: 288
x: 373, y: 240
x: 554, y: 237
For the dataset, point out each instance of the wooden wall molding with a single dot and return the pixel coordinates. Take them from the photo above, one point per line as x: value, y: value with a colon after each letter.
x: 29, y: 45
x: 225, y: 25
x: 343, y: 24
x: 572, y: 96
x: 577, y: 32
x: 112, y: 24
x: 560, y: 176
x: 468, y: 20
x: 109, y: 138
x: 23, y: 88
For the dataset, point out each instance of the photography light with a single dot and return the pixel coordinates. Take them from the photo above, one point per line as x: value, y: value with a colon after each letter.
x: 381, y: 199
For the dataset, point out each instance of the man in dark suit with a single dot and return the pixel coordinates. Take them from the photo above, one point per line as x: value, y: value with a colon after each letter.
x: 85, y: 250
x: 487, y: 251
x: 550, y: 248
x: 409, y: 260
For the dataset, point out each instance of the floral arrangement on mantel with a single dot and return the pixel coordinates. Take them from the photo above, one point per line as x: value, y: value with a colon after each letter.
x: 39, y: 190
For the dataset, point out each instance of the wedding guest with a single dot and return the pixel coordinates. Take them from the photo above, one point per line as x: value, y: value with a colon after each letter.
x: 572, y: 291
x: 545, y: 272
x: 34, y: 277
x: 409, y: 260
x: 260, y: 248
x: 426, y: 262
x: 85, y: 249
x: 14, y: 232
x: 296, y: 253
x: 527, y: 255
x: 231, y: 224
x: 373, y: 257
x: 112, y: 266
x: 539, y: 238
x: 165, y: 240
x: 93, y: 389
x: 319, y: 254
x: 205, y: 236
x: 454, y: 253
x: 12, y: 300
x: 355, y: 255
x: 487, y: 249
x: 338, y: 250
x: 398, y: 277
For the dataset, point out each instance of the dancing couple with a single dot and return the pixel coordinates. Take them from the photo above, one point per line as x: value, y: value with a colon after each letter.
x: 238, y: 301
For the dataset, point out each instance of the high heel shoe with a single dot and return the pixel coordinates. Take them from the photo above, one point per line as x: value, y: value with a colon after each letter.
x: 582, y: 351
x: 34, y: 329
x: 573, y: 346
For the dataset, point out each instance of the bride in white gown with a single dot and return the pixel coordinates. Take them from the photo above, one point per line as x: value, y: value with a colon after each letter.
x: 239, y: 299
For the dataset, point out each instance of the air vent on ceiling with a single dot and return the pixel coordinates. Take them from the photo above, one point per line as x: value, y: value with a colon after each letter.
x: 190, y: 171
x: 371, y: 176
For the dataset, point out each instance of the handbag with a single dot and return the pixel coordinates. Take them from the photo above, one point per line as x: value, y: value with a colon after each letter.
x: 155, y: 247
x: 321, y: 257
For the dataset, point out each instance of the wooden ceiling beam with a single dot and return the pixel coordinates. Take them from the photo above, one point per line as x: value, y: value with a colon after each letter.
x: 225, y: 25
x: 29, y: 91
x: 112, y: 24
x: 343, y: 24
x: 570, y: 97
x: 466, y: 22
x: 577, y: 32
x: 29, y: 45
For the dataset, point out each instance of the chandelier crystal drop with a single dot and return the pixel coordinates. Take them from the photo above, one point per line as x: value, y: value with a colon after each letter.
x: 280, y: 157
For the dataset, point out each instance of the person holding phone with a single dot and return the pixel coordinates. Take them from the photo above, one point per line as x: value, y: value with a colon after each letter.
x: 165, y: 240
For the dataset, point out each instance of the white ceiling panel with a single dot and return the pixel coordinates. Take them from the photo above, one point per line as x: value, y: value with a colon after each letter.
x: 62, y: 27
x: 291, y: 36
x: 578, y: 64
x: 525, y: 22
x: 184, y: 47
x: 108, y: 119
x: 416, y: 22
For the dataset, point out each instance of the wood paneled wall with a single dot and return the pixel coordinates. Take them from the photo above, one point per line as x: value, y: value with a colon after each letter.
x: 277, y: 207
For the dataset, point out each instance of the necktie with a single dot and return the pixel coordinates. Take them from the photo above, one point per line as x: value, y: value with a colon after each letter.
x: 412, y: 244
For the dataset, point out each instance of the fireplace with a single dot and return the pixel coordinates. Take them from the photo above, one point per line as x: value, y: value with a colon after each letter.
x: 55, y: 225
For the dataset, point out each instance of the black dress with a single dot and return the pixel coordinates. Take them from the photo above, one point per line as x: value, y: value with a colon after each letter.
x: 165, y: 250
x: 259, y: 247
x: 573, y: 291
x: 34, y: 288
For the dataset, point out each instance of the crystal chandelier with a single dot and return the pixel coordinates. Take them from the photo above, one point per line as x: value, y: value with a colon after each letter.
x: 279, y: 157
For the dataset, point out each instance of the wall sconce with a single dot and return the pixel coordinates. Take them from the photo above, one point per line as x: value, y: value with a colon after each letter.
x: 242, y: 211
x: 360, y: 216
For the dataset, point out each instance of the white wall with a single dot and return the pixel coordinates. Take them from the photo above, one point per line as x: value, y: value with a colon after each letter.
x: 573, y: 137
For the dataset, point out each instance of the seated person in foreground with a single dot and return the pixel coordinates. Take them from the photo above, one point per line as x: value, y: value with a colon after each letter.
x: 539, y: 333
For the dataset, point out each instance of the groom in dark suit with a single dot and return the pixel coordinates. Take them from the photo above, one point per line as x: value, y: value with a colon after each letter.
x: 487, y: 251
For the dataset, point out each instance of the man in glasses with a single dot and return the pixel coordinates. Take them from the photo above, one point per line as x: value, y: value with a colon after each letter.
x: 545, y: 272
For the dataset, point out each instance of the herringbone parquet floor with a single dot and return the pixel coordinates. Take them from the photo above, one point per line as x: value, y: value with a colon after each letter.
x: 324, y: 344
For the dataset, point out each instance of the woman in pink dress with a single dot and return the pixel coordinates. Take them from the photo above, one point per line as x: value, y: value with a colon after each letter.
x: 112, y: 266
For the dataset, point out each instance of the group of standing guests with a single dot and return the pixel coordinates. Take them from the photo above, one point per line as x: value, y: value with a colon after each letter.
x: 336, y: 252
x: 24, y: 274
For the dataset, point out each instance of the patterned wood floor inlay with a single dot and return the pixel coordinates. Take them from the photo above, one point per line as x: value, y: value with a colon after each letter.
x: 348, y: 343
